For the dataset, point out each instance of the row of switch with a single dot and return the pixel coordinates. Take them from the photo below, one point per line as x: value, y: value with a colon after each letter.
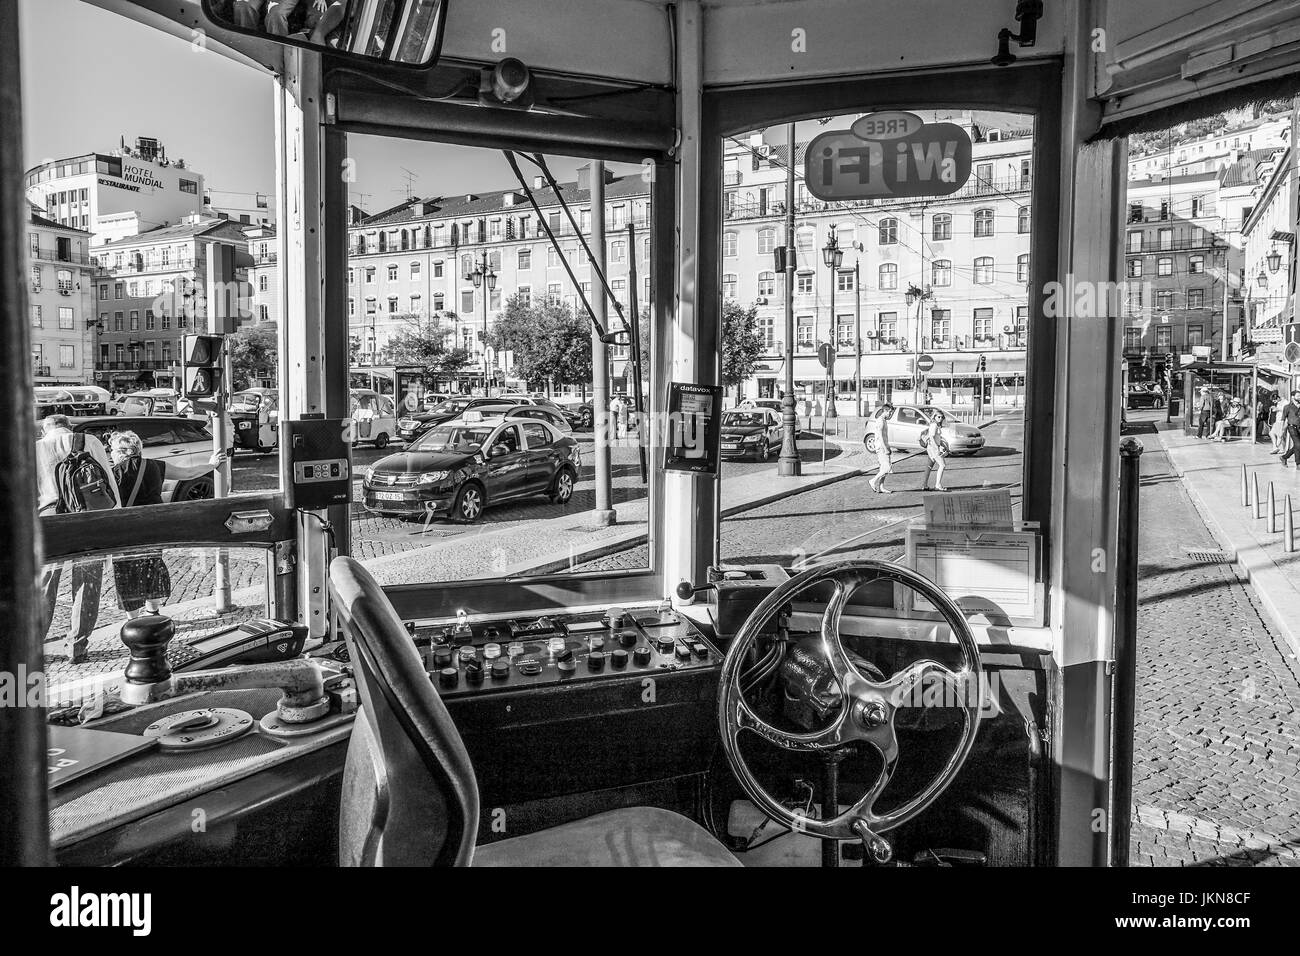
x: 493, y: 665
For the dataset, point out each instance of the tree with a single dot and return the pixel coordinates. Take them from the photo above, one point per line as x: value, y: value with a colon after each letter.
x: 742, y: 345
x: 423, y: 341
x: 551, y: 345
x: 254, y: 354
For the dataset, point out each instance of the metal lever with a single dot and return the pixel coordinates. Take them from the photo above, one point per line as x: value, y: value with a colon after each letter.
x: 876, y: 846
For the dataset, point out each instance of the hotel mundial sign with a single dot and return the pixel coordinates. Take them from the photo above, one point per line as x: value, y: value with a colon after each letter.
x: 888, y: 156
x: 133, y: 177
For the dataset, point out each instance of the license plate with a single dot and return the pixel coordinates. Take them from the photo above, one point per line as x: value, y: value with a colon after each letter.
x: 729, y: 447
x: 390, y: 496
x: 244, y: 425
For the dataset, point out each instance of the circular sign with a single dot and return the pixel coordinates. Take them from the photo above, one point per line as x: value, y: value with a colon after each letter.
x: 924, y: 363
x: 1292, y: 353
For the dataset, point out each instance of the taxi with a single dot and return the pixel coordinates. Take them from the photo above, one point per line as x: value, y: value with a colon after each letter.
x: 458, y: 468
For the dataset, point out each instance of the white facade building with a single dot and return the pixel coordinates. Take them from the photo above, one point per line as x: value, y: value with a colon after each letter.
x: 117, y: 194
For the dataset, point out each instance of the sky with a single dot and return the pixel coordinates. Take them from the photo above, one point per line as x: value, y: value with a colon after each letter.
x: 91, y: 77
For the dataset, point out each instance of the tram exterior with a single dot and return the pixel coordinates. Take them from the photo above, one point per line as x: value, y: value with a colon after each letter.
x: 651, y: 696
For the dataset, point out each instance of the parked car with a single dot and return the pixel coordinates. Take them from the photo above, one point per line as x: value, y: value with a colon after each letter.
x: 1141, y: 396
x: 182, y: 444
x: 747, y: 432
x: 414, y: 425
x: 545, y: 413
x: 579, y: 413
x: 772, y: 403
x: 155, y: 401
x: 908, y: 421
x: 460, y: 467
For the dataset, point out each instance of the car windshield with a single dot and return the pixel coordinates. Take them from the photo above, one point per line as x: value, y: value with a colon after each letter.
x: 449, y: 407
x: 452, y: 438
x: 245, y: 400
x: 742, y: 419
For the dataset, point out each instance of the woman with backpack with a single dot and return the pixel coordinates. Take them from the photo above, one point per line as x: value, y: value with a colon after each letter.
x: 142, y: 579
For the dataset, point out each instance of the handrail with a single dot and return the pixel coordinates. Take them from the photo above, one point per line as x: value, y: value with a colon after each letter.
x: 194, y: 524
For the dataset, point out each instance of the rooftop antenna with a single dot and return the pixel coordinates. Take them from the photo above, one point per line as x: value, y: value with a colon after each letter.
x: 410, y: 178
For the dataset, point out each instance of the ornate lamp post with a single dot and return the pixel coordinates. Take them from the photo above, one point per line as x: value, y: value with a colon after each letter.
x: 483, y: 274
x: 833, y: 256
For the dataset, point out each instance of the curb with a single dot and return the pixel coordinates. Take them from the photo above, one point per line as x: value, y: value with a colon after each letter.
x: 1250, y: 564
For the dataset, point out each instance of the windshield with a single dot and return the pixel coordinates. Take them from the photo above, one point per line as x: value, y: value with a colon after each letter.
x: 450, y: 406
x: 743, y: 419
x: 452, y: 438
x: 246, y: 400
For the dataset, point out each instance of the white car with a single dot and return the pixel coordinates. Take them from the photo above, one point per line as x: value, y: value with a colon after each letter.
x: 183, y: 444
x: 908, y: 421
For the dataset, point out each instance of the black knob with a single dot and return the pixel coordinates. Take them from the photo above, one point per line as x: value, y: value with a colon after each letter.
x: 500, y: 669
x: 641, y: 655
x: 618, y: 658
x: 147, y: 637
x: 442, y: 656
x: 684, y: 590
x: 596, y: 661
x: 616, y: 617
x: 448, y: 677
x: 664, y: 643
x: 474, y: 671
x: 627, y: 638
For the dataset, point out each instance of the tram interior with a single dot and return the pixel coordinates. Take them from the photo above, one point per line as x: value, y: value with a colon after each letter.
x: 511, y: 639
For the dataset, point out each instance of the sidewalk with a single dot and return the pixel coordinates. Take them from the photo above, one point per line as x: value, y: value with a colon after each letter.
x: 1211, y: 472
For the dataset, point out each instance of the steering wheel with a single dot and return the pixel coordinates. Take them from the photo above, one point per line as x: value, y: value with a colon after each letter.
x: 867, y: 707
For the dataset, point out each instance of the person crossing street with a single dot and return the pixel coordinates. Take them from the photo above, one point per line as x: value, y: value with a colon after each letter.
x: 879, y: 426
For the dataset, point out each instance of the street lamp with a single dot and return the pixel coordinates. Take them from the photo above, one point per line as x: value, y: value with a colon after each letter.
x: 832, y: 255
x: 1262, y: 279
x: 1274, y: 260
x: 483, y: 274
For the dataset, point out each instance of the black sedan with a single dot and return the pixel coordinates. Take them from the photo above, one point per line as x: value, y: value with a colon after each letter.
x: 460, y: 467
x: 415, y: 424
x: 750, y: 432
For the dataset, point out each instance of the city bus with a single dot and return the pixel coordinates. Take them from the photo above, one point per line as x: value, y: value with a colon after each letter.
x: 656, y: 692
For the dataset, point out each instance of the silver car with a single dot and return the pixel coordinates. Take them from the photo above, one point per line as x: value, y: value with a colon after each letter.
x: 908, y: 421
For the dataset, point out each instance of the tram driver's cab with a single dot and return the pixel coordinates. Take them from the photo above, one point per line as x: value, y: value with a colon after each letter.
x: 684, y: 661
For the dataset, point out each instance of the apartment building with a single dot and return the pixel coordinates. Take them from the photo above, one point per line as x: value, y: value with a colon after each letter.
x: 61, y: 302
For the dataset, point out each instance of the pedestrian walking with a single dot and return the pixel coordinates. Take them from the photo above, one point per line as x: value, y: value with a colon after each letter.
x: 1292, y: 427
x: 879, y: 426
x: 53, y: 449
x: 1205, y: 418
x: 1277, y: 432
x: 141, y: 579
x: 934, y: 450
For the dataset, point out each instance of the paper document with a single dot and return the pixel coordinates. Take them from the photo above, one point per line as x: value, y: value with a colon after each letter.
x: 989, y: 510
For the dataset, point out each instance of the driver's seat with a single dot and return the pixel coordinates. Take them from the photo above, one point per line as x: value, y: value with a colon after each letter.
x: 409, y: 793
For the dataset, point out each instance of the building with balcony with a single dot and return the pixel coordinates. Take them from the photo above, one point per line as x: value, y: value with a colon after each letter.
x: 945, y: 276
x: 152, y: 288
x: 263, y: 275
x: 415, y: 260
x: 1269, y: 238
x: 1182, y: 270
x: 61, y: 302
x: 121, y: 193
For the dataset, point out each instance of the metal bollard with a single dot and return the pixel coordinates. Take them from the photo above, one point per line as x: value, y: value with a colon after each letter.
x: 1245, y: 488
x: 1254, y: 494
x: 1272, y: 510
x: 1288, y: 528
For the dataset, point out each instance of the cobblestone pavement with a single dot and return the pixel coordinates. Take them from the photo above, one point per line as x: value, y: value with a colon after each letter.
x: 1217, y: 772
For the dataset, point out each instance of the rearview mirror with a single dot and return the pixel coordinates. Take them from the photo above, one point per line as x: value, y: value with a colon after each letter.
x: 496, y: 451
x: 408, y: 32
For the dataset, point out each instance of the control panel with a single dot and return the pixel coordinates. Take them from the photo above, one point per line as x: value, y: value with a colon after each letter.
x: 465, y: 658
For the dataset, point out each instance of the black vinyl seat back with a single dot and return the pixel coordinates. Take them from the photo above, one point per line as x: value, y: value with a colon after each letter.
x: 409, y: 793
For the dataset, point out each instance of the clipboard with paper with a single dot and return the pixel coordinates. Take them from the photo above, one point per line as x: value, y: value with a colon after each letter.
x: 970, y: 545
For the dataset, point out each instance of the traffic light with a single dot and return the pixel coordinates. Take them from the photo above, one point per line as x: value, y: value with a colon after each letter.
x: 984, y: 362
x: 204, y: 365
